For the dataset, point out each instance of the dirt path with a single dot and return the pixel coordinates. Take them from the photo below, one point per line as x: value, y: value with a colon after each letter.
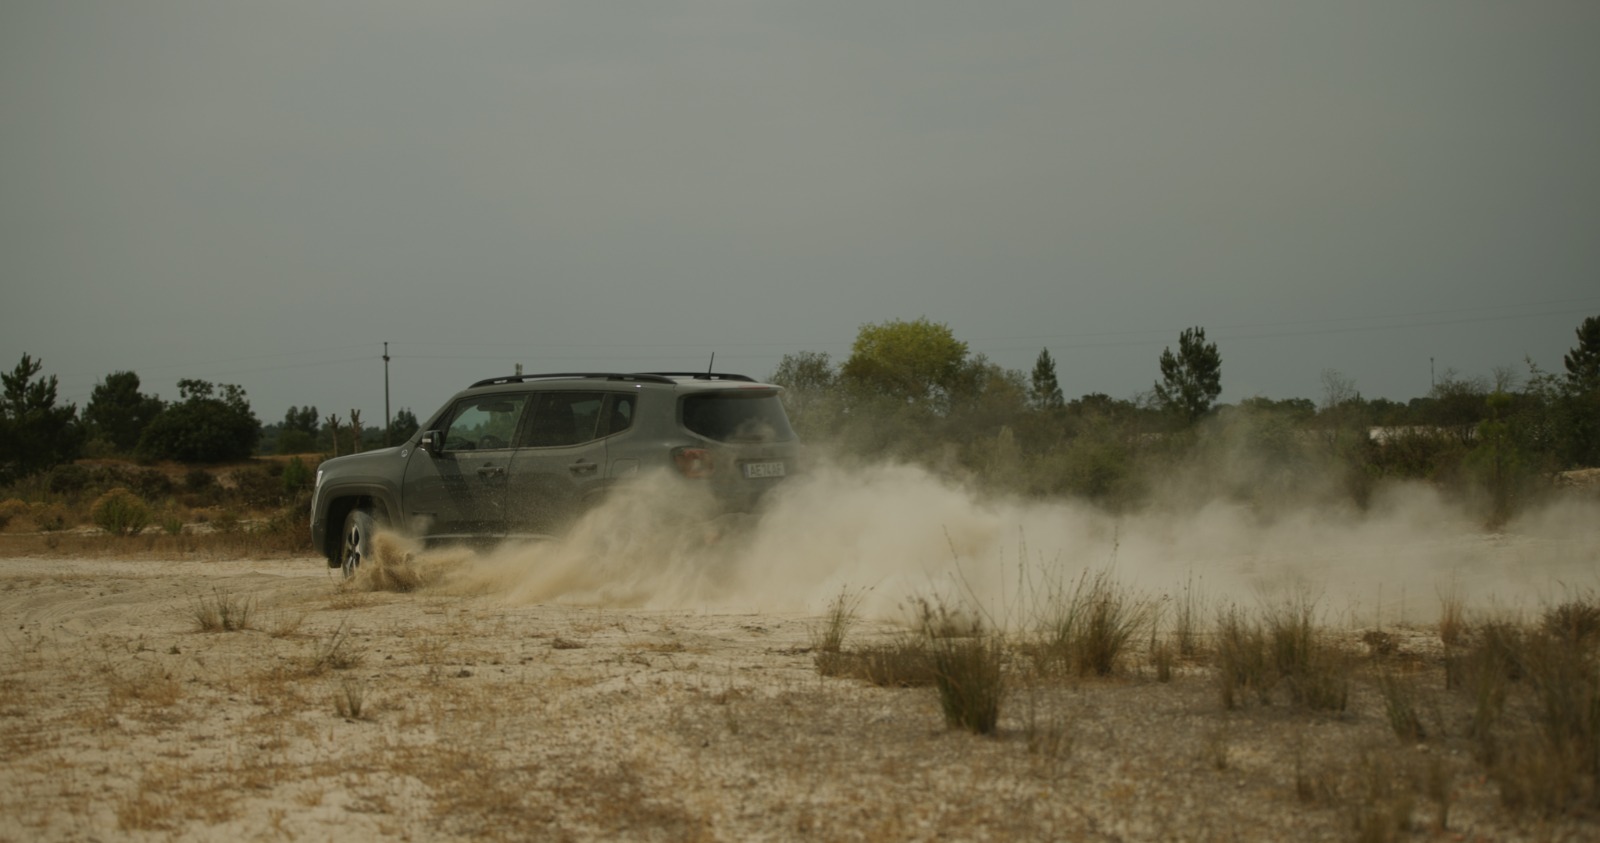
x: 339, y: 714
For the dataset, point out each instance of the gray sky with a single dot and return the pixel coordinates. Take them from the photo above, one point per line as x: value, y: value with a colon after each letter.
x: 264, y: 193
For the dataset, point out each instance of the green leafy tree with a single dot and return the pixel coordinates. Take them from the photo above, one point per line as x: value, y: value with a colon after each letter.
x: 35, y: 434
x: 985, y: 397
x: 404, y: 424
x: 1583, y: 361
x: 1044, y: 391
x: 1191, y: 379
x: 298, y: 433
x: 805, y: 371
x: 809, y: 382
x: 118, y: 412
x: 917, y: 362
x: 1456, y: 404
x: 203, y: 426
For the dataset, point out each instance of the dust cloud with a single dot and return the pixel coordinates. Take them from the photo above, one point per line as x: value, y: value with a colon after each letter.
x: 889, y: 532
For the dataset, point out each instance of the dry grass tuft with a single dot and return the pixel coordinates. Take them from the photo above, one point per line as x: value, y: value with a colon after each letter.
x: 349, y: 699
x: 828, y: 641
x: 1242, y: 664
x: 1086, y: 630
x: 967, y: 669
x: 336, y: 653
x: 1575, y: 621
x: 223, y: 612
x: 1452, y: 616
x: 1400, y: 707
x: 1315, y: 669
x: 1285, y: 650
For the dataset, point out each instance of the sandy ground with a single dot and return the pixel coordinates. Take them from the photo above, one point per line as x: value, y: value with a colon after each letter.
x: 346, y: 714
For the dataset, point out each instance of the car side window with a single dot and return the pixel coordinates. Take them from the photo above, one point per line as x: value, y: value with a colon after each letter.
x: 565, y: 418
x: 619, y: 416
x: 484, y: 423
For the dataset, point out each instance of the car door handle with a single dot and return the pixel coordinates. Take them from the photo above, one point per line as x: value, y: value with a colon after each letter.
x: 583, y: 467
x: 490, y: 471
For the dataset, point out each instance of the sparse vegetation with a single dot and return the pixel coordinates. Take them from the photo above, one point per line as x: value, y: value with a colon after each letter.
x: 121, y: 513
x: 828, y: 641
x: 507, y: 735
x: 967, y: 666
x: 223, y: 612
x: 1400, y: 707
x: 335, y: 653
x: 349, y: 699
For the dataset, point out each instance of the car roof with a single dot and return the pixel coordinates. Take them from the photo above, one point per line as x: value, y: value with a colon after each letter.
x: 690, y: 379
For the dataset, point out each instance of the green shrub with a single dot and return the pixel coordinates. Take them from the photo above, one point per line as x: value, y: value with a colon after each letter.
x: 198, y: 480
x: 68, y: 479
x: 257, y: 487
x: 120, y: 512
x: 296, y: 476
x: 170, y: 521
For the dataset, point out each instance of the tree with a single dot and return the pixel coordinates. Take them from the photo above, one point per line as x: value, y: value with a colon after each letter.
x: 807, y: 378
x: 203, y: 426
x: 1191, y: 379
x: 805, y: 371
x: 404, y: 424
x: 1045, y: 391
x: 298, y: 433
x: 1583, y: 361
x: 916, y: 362
x: 118, y: 413
x: 35, y: 434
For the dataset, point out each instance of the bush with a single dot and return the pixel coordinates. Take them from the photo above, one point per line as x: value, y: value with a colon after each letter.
x: 48, y: 517
x: 121, y: 513
x: 257, y: 487
x: 67, y: 479
x: 149, y: 483
x: 296, y: 476
x: 11, y: 508
x: 202, y: 427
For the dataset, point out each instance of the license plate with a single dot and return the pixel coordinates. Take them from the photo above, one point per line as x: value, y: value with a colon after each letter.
x: 763, y: 469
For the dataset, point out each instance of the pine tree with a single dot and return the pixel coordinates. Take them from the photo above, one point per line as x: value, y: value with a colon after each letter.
x: 1191, y: 379
x: 1583, y: 361
x: 1045, y: 390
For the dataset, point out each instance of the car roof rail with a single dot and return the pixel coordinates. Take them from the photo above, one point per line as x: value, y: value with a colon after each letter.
x: 650, y: 377
x: 706, y: 376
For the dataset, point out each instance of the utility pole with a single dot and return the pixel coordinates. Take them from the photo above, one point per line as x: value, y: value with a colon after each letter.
x: 388, y: 423
x: 1432, y: 384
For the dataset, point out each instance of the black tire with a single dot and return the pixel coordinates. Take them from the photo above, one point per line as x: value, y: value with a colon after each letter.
x: 355, y: 540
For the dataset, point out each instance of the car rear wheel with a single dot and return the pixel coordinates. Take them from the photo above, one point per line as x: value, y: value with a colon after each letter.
x: 356, y: 545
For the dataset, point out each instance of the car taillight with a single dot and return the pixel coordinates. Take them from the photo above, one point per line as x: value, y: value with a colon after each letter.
x: 693, y: 462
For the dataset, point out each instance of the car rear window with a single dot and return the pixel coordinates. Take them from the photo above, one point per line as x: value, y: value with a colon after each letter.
x: 737, y: 416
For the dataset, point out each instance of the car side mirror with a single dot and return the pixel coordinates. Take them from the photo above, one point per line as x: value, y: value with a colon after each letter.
x: 433, y: 442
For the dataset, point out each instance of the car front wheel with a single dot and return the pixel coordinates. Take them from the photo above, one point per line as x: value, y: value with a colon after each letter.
x: 356, y: 545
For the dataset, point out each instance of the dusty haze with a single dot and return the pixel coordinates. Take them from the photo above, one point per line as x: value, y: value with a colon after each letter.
x: 893, y: 531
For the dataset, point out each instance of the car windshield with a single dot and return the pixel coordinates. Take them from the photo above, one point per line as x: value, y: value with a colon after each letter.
x: 737, y: 416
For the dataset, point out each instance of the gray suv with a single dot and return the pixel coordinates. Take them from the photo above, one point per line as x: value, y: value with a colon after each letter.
x: 526, y: 455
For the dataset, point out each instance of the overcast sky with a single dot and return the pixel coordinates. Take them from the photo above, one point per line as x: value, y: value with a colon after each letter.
x: 264, y: 193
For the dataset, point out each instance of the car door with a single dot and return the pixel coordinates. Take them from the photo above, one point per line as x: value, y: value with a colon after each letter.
x: 561, y: 463
x: 458, y: 488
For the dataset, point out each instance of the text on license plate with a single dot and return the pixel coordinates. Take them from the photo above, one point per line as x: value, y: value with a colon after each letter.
x: 763, y: 469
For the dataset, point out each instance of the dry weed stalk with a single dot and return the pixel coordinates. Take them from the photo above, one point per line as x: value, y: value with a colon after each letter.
x: 223, y: 612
